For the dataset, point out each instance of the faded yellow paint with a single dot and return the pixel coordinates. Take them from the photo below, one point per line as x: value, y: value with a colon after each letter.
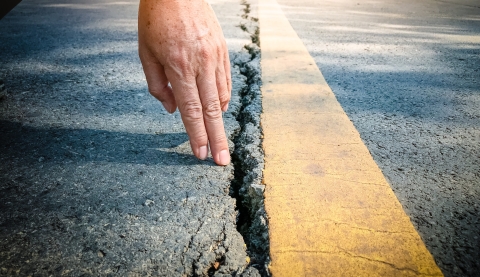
x: 331, y: 211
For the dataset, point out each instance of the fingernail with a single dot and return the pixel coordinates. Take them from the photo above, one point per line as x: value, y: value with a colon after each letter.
x: 165, y: 106
x: 203, y: 152
x: 225, y: 107
x: 224, y: 157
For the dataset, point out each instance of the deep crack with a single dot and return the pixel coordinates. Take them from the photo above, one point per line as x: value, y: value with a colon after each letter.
x: 248, y: 157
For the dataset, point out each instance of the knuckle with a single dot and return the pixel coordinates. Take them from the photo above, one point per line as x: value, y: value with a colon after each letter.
x: 224, y: 97
x: 176, y: 59
x: 198, y: 138
x: 219, y: 140
x: 192, y: 110
x: 212, y: 110
x: 205, y: 53
x: 208, y: 51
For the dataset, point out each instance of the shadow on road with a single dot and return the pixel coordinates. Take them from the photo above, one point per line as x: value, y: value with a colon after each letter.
x: 26, y: 145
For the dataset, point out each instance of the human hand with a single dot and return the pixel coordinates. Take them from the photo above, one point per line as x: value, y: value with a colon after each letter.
x: 182, y: 43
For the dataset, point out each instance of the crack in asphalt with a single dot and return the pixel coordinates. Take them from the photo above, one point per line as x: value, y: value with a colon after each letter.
x: 248, y: 156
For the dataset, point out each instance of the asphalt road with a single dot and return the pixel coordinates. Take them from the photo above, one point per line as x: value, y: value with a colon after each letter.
x: 407, y: 73
x: 95, y: 178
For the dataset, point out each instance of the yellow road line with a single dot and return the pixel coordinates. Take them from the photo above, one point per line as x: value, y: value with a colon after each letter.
x: 331, y: 211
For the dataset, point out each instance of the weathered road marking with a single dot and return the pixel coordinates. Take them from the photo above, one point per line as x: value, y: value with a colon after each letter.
x: 331, y: 211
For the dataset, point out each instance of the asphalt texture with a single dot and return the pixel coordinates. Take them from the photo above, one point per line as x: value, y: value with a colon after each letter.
x: 96, y: 178
x: 407, y: 74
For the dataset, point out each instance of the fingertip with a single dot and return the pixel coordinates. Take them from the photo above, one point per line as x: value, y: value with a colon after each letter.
x: 202, y: 152
x: 222, y: 158
x: 173, y: 109
x: 225, y: 107
x: 169, y: 107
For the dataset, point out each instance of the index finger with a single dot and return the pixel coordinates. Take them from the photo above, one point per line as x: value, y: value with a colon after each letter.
x: 188, y: 101
x: 212, y: 116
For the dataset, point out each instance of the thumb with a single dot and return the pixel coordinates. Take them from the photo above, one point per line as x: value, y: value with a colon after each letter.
x: 157, y: 81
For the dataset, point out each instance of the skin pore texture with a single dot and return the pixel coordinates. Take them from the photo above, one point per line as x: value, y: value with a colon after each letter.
x: 186, y: 64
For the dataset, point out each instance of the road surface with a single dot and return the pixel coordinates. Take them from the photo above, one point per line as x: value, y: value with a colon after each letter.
x: 407, y: 74
x: 95, y: 177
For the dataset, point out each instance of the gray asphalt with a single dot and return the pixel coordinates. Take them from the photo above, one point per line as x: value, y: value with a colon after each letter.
x: 407, y: 73
x: 95, y: 178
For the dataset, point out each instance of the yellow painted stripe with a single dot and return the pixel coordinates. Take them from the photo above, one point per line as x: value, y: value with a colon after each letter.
x: 331, y: 211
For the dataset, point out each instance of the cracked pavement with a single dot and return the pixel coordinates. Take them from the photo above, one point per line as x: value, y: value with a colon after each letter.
x: 95, y: 178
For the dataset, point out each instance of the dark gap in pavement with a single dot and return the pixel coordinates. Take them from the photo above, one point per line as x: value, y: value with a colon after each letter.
x: 248, y: 157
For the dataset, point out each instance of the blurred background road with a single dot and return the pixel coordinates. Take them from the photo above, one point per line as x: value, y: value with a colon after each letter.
x: 408, y: 75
